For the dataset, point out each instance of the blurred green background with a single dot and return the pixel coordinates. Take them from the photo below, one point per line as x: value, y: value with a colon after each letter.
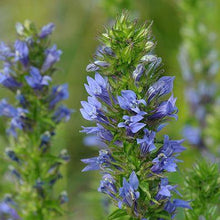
x: 78, y: 23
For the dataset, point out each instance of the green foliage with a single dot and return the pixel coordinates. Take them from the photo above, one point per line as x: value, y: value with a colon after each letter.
x: 202, y: 188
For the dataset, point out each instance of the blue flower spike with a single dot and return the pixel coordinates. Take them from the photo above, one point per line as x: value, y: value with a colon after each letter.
x: 130, y: 101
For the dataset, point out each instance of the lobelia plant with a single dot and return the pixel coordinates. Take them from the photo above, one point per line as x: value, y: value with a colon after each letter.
x: 28, y: 67
x: 128, y: 102
x: 199, y: 61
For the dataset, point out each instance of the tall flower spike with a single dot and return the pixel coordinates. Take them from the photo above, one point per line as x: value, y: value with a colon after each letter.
x: 128, y: 102
x: 27, y: 71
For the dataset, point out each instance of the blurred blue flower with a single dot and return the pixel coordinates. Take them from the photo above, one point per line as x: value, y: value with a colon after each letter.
x: 58, y: 94
x: 17, y: 116
x: 21, y: 52
x: 7, y: 212
x: 36, y: 80
x: 192, y: 134
x: 9, y: 82
x: 52, y: 56
x: 46, y: 30
x: 5, y: 51
x: 62, y: 112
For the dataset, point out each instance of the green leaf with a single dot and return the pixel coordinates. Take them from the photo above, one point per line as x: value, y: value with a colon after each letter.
x: 117, y: 213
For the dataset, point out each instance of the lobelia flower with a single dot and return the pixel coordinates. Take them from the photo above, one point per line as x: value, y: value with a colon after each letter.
x: 132, y: 124
x: 58, y: 94
x: 128, y: 192
x: 171, y: 207
x: 101, y: 63
x: 107, y: 186
x: 92, y: 110
x: 162, y: 87
x: 170, y: 146
x: 9, y: 82
x: 5, y: 51
x: 96, y: 163
x: 166, y: 158
x: 138, y: 72
x: 165, y: 190
x: 21, y: 52
x: 46, y: 30
x: 17, y: 116
x: 35, y: 80
x: 98, y: 87
x: 166, y: 108
x: 147, y: 143
x: 52, y: 56
x: 98, y: 136
x: 128, y: 101
x: 62, y: 112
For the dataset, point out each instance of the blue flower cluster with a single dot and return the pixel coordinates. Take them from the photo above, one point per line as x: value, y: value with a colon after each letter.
x: 28, y: 67
x: 129, y: 109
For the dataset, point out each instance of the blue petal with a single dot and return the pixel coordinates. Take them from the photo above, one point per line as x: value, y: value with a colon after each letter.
x: 133, y: 180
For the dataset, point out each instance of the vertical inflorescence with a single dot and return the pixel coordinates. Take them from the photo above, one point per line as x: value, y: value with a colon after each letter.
x: 27, y: 70
x: 199, y: 61
x: 129, y: 101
